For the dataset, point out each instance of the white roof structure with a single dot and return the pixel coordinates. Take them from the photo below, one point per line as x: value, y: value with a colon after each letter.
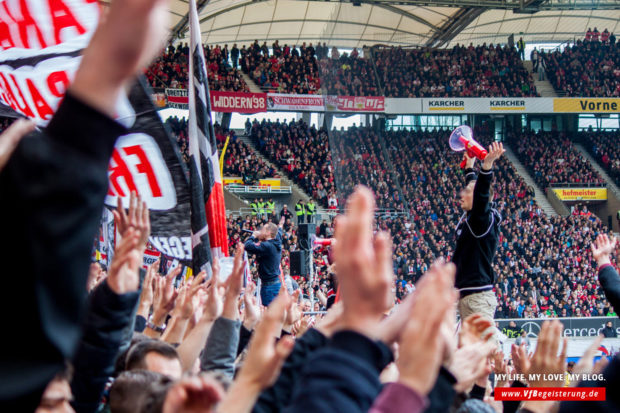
x: 404, y: 22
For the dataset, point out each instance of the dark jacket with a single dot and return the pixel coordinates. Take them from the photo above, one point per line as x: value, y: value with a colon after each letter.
x: 52, y: 192
x: 276, y: 397
x: 268, y: 255
x: 610, y: 282
x: 107, y: 319
x: 341, y: 377
x: 477, y: 236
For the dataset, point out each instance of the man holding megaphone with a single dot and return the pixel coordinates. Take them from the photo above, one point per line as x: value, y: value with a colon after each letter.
x: 477, y: 237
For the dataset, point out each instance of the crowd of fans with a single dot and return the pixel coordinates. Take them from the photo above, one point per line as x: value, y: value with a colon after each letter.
x: 552, y: 159
x: 587, y: 68
x: 348, y: 74
x: 540, y: 266
x: 239, y: 159
x: 605, y: 149
x: 171, y: 69
x: 127, y: 339
x: 286, y: 70
x: 542, y: 269
x: 301, y: 151
x: 481, y: 71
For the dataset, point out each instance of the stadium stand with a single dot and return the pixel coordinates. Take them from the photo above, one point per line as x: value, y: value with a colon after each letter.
x: 481, y: 71
x: 170, y: 70
x: 585, y: 69
x: 605, y: 148
x: 552, y: 159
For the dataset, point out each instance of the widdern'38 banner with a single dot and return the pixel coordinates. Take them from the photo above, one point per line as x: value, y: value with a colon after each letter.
x: 41, y: 42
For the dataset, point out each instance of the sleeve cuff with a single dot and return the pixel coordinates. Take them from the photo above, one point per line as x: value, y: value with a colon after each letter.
x: 374, y: 352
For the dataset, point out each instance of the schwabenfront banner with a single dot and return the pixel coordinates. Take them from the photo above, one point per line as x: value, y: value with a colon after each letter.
x: 581, y: 194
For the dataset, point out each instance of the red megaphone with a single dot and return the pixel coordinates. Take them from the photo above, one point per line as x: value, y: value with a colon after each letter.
x: 462, y: 139
x: 321, y: 242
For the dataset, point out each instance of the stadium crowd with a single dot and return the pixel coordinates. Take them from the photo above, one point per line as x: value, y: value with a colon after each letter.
x: 539, y: 267
x: 171, y: 69
x: 302, y: 153
x: 286, y: 70
x: 552, y: 159
x: 126, y: 339
x: 588, y: 68
x: 463, y: 71
x: 605, y: 149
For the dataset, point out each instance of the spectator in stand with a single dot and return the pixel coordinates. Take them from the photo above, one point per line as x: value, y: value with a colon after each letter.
x: 552, y: 159
x: 605, y: 149
x: 482, y: 71
x: 170, y: 70
x: 348, y: 75
x: 587, y: 68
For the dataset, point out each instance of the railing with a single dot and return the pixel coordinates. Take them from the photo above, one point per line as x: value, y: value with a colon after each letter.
x: 323, y: 213
x: 248, y: 189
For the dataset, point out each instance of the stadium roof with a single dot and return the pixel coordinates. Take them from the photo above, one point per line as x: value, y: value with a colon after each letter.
x: 404, y: 22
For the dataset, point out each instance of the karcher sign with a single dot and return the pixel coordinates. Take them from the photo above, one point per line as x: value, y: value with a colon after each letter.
x: 581, y: 194
x: 586, y: 105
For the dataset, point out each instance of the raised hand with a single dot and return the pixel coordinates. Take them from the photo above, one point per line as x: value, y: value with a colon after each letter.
x: 469, y: 364
x: 234, y: 285
x: 128, y: 38
x: 364, y: 265
x: 9, y: 139
x: 473, y: 330
x: 421, y: 342
x: 496, y: 150
x: 124, y: 276
x: 165, y: 296
x: 251, y: 311
x: 264, y: 359
x: 470, y: 161
x: 137, y: 217
x: 293, y: 315
x: 602, y: 249
x: 545, y: 360
x: 193, y: 395
x: 520, y: 359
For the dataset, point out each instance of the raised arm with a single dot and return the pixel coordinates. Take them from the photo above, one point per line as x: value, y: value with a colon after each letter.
x: 602, y: 249
x: 480, y: 213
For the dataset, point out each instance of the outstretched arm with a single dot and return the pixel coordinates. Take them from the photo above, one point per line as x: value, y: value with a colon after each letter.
x: 602, y: 249
x: 480, y: 213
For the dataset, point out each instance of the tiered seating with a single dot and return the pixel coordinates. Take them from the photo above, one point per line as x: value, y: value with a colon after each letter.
x: 348, y: 75
x: 287, y: 70
x: 605, y: 147
x: 552, y: 159
x: 585, y: 69
x: 302, y: 152
x: 540, y: 259
x: 461, y: 71
x: 171, y: 70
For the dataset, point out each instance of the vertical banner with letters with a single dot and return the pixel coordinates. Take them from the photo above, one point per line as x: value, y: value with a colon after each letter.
x: 147, y: 161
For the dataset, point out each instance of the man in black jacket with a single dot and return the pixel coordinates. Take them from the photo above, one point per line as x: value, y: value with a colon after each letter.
x: 266, y: 244
x: 477, y: 236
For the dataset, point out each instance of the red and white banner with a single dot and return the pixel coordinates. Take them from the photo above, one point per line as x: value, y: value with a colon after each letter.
x: 41, y: 43
x: 354, y: 103
x: 238, y: 102
x: 277, y: 101
x: 222, y: 101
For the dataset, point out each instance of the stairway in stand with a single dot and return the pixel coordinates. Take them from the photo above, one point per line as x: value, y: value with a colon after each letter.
x: 297, y: 192
x: 253, y: 86
x: 539, y: 195
x: 543, y: 87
